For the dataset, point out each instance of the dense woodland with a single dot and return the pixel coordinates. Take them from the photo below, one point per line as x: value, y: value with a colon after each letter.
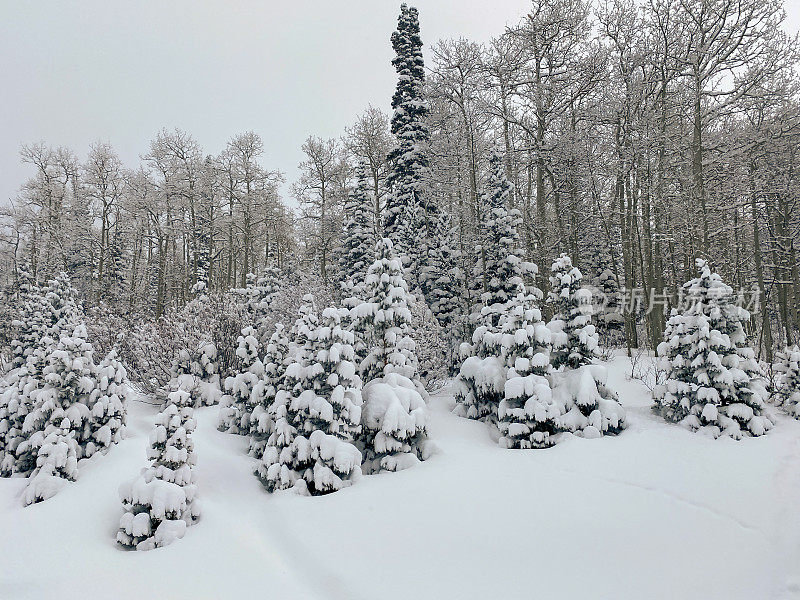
x: 637, y: 135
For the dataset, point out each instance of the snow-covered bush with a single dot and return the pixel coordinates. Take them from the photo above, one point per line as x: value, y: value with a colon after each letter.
x: 161, y: 502
x: 236, y: 405
x: 394, y: 421
x: 713, y: 381
x: 590, y: 408
x: 788, y: 388
x: 151, y: 348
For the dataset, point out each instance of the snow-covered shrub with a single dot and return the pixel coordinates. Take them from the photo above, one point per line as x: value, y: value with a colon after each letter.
x: 150, y: 349
x: 788, y: 389
x: 236, y: 404
x: 394, y: 421
x: 590, y: 408
x: 161, y: 502
x: 56, y: 464
x: 713, y: 381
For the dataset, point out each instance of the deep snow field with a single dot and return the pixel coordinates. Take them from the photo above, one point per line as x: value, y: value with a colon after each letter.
x: 658, y: 512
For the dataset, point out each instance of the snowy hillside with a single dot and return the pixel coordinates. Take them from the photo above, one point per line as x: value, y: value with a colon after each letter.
x: 657, y: 512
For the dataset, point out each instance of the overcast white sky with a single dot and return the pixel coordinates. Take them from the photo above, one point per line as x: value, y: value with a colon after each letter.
x: 75, y: 72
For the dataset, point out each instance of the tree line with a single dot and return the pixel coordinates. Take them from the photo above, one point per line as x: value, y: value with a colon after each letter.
x: 638, y: 136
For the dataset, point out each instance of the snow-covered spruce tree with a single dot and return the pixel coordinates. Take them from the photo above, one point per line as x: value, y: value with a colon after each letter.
x: 591, y: 408
x: 260, y: 302
x: 358, y: 234
x: 47, y: 312
x: 56, y: 464
x: 575, y: 341
x: 69, y: 380
x: 713, y: 381
x: 610, y: 322
x: 25, y: 376
x: 410, y: 216
x: 385, y: 318
x: 327, y: 412
x: 482, y: 374
x: 107, y: 404
x: 788, y: 388
x: 446, y: 278
x: 503, y: 267
x: 237, y: 404
x: 445, y: 281
x: 195, y: 371
x: 527, y: 416
x: 31, y: 325
x: 161, y: 502
x: 275, y: 470
x: 265, y: 392
x: 394, y: 414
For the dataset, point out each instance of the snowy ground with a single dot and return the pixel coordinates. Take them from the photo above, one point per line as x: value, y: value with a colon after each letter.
x: 656, y: 513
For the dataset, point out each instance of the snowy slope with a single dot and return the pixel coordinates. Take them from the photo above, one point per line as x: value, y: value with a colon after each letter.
x: 656, y: 513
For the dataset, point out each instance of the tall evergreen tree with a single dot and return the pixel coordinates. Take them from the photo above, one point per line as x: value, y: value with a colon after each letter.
x: 483, y: 370
x: 276, y: 469
x: 445, y: 278
x: 410, y: 215
x: 590, y: 408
